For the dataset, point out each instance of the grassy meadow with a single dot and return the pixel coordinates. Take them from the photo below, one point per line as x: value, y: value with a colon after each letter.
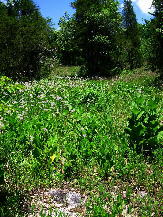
x: 100, y: 136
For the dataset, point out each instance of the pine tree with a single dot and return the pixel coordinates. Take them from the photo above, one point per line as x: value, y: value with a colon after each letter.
x: 26, y: 40
x: 97, y: 27
x: 157, y: 35
x: 132, y: 57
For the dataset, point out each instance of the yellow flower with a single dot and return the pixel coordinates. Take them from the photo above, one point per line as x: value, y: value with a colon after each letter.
x: 52, y: 157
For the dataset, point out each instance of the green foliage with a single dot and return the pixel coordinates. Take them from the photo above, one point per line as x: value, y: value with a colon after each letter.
x: 7, y: 86
x: 156, y: 29
x: 131, y: 44
x: 146, y: 43
x: 69, y: 129
x: 68, y: 51
x: 25, y: 38
x: 7, y: 89
x: 152, y: 40
x: 92, y: 134
x: 144, y: 126
x: 97, y: 26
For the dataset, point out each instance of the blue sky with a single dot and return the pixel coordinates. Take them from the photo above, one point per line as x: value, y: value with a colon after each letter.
x: 56, y: 9
x: 142, y: 9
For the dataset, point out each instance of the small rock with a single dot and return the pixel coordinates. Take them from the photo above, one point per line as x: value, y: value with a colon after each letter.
x: 58, y: 195
x: 73, y: 199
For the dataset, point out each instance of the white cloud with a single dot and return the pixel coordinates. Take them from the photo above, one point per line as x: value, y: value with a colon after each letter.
x: 144, y: 5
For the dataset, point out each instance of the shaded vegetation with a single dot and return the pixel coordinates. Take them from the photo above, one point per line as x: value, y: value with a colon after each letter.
x: 25, y: 38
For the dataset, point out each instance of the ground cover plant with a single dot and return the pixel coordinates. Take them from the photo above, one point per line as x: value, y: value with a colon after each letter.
x: 102, y: 136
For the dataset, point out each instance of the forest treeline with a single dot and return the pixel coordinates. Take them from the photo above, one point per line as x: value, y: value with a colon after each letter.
x: 97, y: 37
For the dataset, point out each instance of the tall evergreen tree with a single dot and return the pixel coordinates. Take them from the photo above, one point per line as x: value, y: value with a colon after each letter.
x: 26, y: 40
x: 157, y: 35
x: 132, y: 57
x: 97, y: 27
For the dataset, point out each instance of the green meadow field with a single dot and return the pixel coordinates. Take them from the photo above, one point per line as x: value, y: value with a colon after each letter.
x: 100, y: 136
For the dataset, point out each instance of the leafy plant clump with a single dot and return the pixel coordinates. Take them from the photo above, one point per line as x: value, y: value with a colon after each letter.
x: 145, y: 128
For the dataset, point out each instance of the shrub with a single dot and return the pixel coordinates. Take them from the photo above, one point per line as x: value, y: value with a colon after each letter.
x: 144, y: 126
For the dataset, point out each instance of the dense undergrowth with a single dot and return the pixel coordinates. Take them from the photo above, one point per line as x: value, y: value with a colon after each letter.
x: 102, y: 136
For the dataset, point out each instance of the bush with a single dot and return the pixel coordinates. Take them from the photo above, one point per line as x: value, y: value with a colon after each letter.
x: 144, y: 126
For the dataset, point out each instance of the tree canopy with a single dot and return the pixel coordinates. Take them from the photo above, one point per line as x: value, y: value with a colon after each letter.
x: 131, y: 34
x: 97, y: 37
x: 24, y: 38
x: 157, y: 35
x: 97, y: 25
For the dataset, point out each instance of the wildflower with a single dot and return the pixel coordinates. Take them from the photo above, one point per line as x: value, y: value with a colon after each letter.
x: 124, y: 195
x: 58, y: 98
x: 41, y: 96
x: 20, y: 116
x: 52, y: 157
x: 1, y: 125
x: 45, y: 129
x: 31, y: 138
x: 52, y: 103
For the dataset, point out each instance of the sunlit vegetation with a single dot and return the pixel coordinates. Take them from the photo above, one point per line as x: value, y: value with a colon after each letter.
x: 95, y: 134
x: 81, y: 107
